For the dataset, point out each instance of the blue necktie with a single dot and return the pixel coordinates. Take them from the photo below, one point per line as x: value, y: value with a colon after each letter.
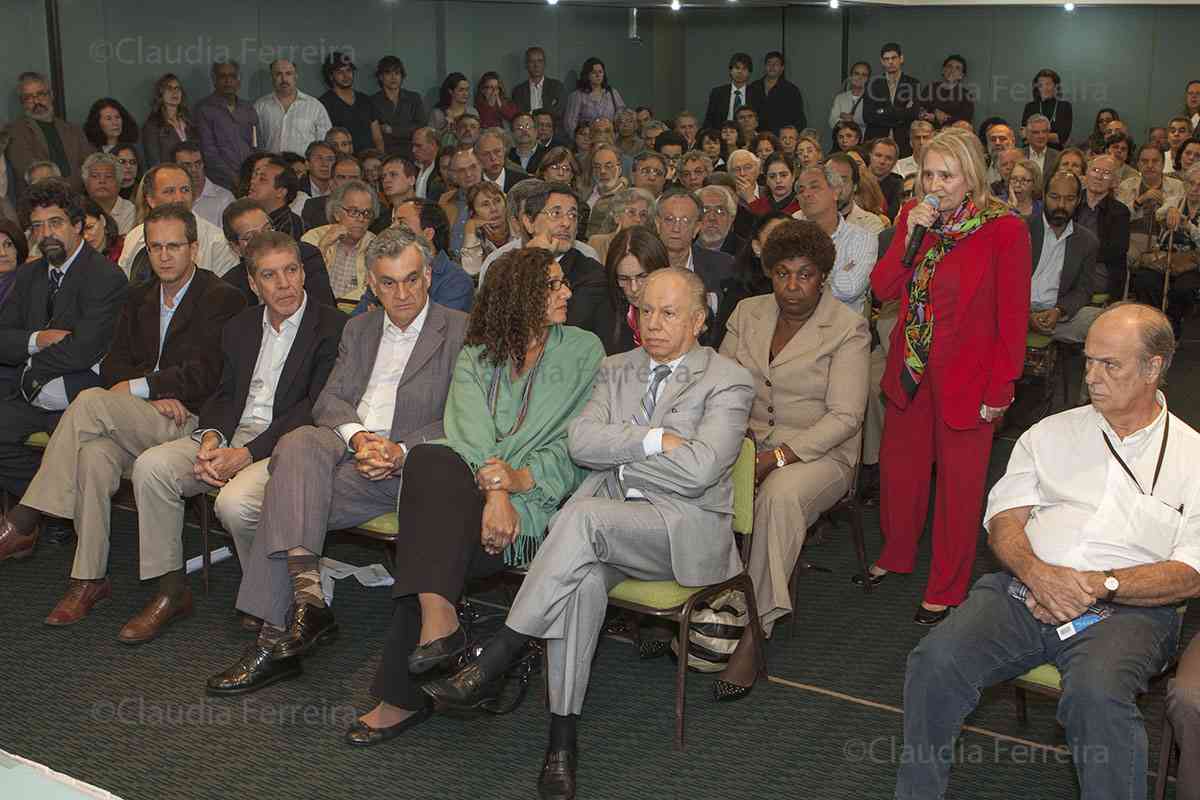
x: 738, y: 102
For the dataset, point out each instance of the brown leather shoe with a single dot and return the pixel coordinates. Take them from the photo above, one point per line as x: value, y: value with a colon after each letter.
x: 78, y: 602
x: 14, y: 544
x: 160, y: 612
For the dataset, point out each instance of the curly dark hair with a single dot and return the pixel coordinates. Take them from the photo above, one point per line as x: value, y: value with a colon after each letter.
x: 91, y: 126
x: 53, y: 193
x: 799, y: 239
x: 510, y: 308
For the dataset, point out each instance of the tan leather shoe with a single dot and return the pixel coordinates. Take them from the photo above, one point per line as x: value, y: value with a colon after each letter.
x: 160, y: 612
x: 14, y: 544
x: 78, y: 602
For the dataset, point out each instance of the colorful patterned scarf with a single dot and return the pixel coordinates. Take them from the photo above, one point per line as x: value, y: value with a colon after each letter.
x: 918, y: 324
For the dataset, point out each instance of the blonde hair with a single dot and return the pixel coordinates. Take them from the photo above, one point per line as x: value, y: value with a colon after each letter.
x: 964, y: 149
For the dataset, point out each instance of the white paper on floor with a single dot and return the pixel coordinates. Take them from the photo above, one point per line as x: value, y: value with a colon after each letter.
x: 217, y: 556
x: 370, y: 576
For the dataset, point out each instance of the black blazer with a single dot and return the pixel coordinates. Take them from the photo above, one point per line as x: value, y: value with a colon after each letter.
x: 718, y: 106
x: 539, y: 152
x: 589, y: 291
x: 87, y: 304
x: 784, y: 105
x: 554, y: 98
x: 712, y: 266
x: 316, y: 278
x: 313, y: 213
x: 1113, y: 227
x: 1080, y: 278
x: 190, y: 366
x: 512, y: 177
x: 884, y: 117
x: 305, y: 371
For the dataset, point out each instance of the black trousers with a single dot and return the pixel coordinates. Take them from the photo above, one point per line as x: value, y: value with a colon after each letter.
x: 442, y: 513
x: 18, y: 419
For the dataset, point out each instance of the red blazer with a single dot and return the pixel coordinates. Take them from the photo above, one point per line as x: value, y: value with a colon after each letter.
x: 988, y: 342
x: 763, y: 206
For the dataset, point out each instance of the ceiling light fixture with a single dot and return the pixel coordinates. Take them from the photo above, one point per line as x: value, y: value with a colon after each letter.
x: 834, y: 4
x: 552, y: 2
x: 675, y: 6
x: 1068, y: 6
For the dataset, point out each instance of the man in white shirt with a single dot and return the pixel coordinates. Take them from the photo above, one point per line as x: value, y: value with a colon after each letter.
x: 920, y: 133
x: 1179, y: 130
x: 425, y: 153
x: 856, y: 250
x: 1038, y: 150
x: 99, y: 172
x: 346, y: 468
x: 1097, y: 520
x: 238, y: 426
x: 289, y: 119
x: 171, y: 183
x: 847, y: 168
x: 209, y: 200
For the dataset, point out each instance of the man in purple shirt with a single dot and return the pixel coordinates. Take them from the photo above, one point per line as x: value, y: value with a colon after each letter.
x: 228, y: 126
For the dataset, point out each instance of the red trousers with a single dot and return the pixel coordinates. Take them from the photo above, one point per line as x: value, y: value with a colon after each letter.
x: 914, y: 438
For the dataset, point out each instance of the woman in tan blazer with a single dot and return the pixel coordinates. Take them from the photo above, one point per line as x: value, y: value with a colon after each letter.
x: 809, y: 354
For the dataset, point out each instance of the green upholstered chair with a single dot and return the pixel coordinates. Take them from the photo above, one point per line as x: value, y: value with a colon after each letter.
x: 669, y: 600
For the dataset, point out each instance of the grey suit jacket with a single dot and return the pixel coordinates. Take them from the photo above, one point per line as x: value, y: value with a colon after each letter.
x: 1081, y: 274
x: 706, y: 401
x: 1050, y: 162
x: 421, y: 393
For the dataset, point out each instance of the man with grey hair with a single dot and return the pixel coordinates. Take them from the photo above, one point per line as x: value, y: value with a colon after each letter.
x: 856, y: 249
x: 605, y: 162
x: 228, y: 125
x: 41, y: 136
x: 997, y: 138
x: 491, y: 149
x: 718, y: 207
x: 920, y: 133
x: 516, y: 209
x: 1037, y: 144
x: 629, y: 207
x: 1096, y: 524
x: 343, y: 243
x: 677, y: 221
x: 346, y: 468
x: 650, y: 171
x: 289, y: 119
x: 41, y: 170
x: 100, y: 171
x: 1104, y: 215
x: 238, y: 427
x: 650, y: 131
x: 694, y: 167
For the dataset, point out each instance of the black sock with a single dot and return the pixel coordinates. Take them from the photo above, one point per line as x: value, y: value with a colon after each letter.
x: 24, y: 518
x: 562, y: 732
x: 499, y: 652
x: 172, y: 584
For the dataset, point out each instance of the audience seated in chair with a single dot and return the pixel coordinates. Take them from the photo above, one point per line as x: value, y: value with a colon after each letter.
x: 242, y: 221
x: 660, y: 436
x: 633, y: 254
x: 344, y: 242
x: 386, y: 394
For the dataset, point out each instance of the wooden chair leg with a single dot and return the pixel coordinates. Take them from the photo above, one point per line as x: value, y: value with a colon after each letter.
x: 860, y: 542
x: 1022, y: 711
x: 756, y: 631
x: 1166, y: 749
x: 681, y: 675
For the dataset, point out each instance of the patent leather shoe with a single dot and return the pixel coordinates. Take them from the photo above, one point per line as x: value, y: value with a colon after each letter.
x: 437, y: 653
x: 256, y: 669
x: 363, y: 735
x: 312, y: 626
x: 470, y: 687
x: 557, y: 781
x: 926, y: 616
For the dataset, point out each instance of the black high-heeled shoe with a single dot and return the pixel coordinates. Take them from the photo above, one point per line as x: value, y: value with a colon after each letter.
x: 929, y: 617
x: 859, y: 578
x: 726, y: 692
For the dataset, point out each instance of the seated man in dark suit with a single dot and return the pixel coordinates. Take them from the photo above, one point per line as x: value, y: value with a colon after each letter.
x: 725, y: 100
x: 274, y: 187
x: 345, y: 168
x: 242, y: 221
x: 277, y: 356
x: 492, y: 150
x: 387, y: 393
x: 527, y: 151
x: 1104, y: 215
x: 656, y: 506
x: 164, y: 363
x: 678, y: 221
x: 1065, y: 272
x: 55, y: 328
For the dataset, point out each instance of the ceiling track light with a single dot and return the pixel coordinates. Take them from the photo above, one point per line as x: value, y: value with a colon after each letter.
x: 675, y: 6
x: 834, y: 4
x: 552, y: 2
x: 1068, y: 6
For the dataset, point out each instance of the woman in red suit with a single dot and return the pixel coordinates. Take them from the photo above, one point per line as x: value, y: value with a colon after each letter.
x: 960, y: 346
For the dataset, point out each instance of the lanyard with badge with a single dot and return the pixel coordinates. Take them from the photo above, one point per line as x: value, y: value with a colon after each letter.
x: 1162, y: 451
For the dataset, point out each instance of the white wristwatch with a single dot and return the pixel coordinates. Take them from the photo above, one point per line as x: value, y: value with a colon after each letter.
x: 1112, y: 584
x: 780, y: 461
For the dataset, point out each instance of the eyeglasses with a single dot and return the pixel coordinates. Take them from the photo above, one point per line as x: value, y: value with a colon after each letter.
x: 1100, y: 172
x: 1015, y: 179
x: 42, y: 95
x: 629, y: 280
x: 54, y: 224
x: 676, y: 222
x: 244, y: 238
x: 606, y: 166
x: 561, y: 169
x: 170, y: 248
x: 714, y: 211
x: 642, y: 214
x: 651, y: 172
x: 127, y: 162
x: 524, y: 126
x: 557, y: 213
x: 356, y: 213
x: 554, y: 284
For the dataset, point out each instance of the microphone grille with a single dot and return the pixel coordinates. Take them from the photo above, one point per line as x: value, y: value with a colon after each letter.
x: 932, y: 201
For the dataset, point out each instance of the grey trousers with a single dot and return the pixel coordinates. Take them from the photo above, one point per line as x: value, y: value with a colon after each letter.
x: 1075, y: 329
x: 593, y: 545
x: 162, y: 482
x: 313, y: 488
x: 95, y: 443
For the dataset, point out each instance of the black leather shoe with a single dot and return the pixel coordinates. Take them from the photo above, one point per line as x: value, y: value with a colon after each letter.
x: 859, y: 578
x: 256, y: 669
x: 653, y: 648
x: 557, y: 781
x: 467, y: 688
x: 311, y: 627
x: 437, y: 653
x: 363, y: 735
x: 726, y: 692
x: 925, y: 616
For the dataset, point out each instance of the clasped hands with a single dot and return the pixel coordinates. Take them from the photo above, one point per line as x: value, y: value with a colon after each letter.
x: 376, y: 457
x: 216, y: 465
x: 501, y: 522
x: 1060, y: 594
x: 1044, y: 321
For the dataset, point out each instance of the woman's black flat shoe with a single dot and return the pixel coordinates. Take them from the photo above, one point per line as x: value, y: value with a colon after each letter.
x: 363, y: 735
x: 859, y: 578
x: 925, y: 616
x: 726, y: 692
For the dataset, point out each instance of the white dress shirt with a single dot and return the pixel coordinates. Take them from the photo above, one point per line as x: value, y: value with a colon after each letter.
x: 212, y: 202
x: 140, y: 387
x: 733, y: 93
x: 53, y: 396
x: 517, y: 243
x: 1087, y: 512
x: 652, y: 441
x: 305, y: 121
x: 535, y: 93
x: 846, y: 103
x: 215, y: 254
x: 499, y: 179
x: 906, y: 166
x: 856, y: 253
x: 422, y: 186
x: 378, y: 403
x: 1047, y: 274
x: 124, y: 213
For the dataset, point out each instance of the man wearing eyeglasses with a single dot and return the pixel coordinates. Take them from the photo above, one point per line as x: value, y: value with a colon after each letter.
x: 527, y: 151
x: 650, y: 171
x: 40, y: 136
x: 164, y: 363
x: 54, y: 329
x: 1107, y: 217
x: 491, y: 150
x: 678, y: 220
x: 606, y: 174
x: 717, y: 211
x: 209, y: 199
x: 344, y: 242
x: 245, y: 219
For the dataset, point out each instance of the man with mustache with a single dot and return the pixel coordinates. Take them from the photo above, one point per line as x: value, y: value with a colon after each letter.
x: 40, y: 136
x: 1064, y: 265
x: 288, y: 118
x: 54, y: 330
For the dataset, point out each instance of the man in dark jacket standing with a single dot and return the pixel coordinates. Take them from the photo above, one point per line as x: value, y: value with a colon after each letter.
x: 892, y: 100
x: 777, y: 100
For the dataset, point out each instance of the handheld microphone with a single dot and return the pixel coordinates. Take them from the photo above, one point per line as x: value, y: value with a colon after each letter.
x: 918, y: 234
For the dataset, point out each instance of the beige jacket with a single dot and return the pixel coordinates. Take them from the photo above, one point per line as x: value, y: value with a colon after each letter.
x: 325, y: 239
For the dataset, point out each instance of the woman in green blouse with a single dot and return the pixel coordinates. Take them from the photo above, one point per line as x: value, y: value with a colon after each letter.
x: 479, y: 500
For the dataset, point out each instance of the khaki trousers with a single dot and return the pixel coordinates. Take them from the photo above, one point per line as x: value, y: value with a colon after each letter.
x: 162, y: 482
x: 97, y: 440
